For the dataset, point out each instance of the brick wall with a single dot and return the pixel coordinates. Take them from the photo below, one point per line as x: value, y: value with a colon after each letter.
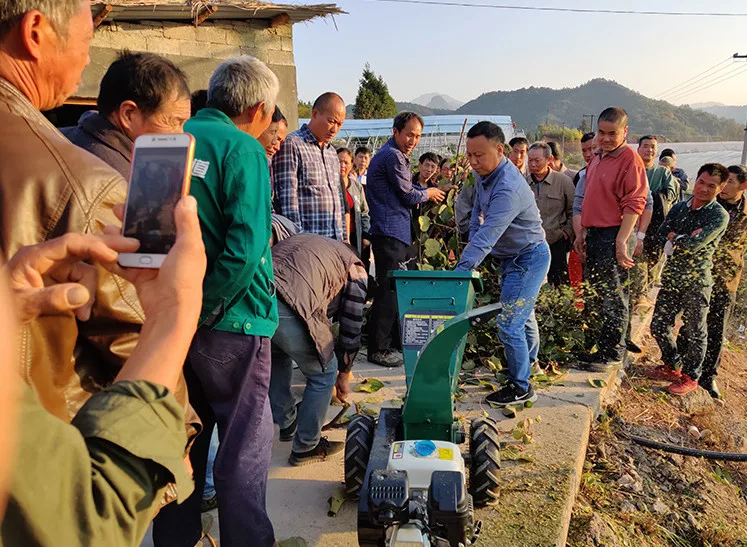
x: 198, y: 50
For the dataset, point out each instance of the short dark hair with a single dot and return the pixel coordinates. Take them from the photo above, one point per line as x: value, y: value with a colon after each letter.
x: 401, y: 119
x: 444, y: 161
x: 740, y: 171
x: 345, y: 150
x: 428, y: 156
x: 486, y: 129
x: 518, y: 140
x: 647, y: 138
x: 587, y: 137
x: 667, y: 153
x: 277, y: 116
x: 715, y: 169
x: 554, y: 150
x: 362, y: 150
x: 324, y: 101
x: 615, y: 115
x: 198, y: 100
x: 143, y: 78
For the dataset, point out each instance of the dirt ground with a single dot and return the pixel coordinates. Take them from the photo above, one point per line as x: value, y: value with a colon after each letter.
x: 636, y: 496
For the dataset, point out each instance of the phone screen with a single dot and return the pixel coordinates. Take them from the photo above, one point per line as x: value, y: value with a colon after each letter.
x: 155, y: 188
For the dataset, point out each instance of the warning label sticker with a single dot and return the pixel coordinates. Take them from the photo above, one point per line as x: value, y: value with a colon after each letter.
x: 417, y: 327
x: 398, y: 451
x: 445, y: 454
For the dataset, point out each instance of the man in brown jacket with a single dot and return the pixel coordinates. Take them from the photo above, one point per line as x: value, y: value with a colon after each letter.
x: 554, y: 192
x: 49, y: 187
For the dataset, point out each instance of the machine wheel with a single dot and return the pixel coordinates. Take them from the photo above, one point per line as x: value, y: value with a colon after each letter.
x: 485, y: 462
x: 357, y: 451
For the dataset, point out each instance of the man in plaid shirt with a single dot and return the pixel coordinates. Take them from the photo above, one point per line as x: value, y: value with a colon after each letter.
x: 306, y: 173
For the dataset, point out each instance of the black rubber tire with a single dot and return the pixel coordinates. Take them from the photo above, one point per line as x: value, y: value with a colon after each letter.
x: 357, y: 451
x: 485, y: 462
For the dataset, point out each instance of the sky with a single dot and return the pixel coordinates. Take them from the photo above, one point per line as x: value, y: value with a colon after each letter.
x: 466, y: 51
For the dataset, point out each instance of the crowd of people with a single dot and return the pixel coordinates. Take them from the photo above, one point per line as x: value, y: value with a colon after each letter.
x: 122, y: 382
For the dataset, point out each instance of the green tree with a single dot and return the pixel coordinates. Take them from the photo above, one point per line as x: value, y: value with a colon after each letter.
x: 304, y: 109
x: 373, y: 100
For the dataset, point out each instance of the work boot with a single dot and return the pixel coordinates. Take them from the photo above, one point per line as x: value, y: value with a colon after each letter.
x: 682, y: 385
x: 511, y: 394
x: 709, y: 384
x: 596, y: 362
x: 319, y: 453
x: 664, y: 373
x: 385, y: 358
x: 208, y: 504
x: 632, y: 347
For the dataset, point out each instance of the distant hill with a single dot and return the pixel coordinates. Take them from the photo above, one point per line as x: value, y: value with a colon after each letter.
x: 422, y: 110
x: 736, y: 113
x: 438, y: 101
x: 532, y: 106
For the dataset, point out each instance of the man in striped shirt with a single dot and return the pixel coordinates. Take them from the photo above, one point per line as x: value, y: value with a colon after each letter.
x: 306, y: 173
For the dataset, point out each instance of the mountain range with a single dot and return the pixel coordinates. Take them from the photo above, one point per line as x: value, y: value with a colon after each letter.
x: 437, y: 101
x: 733, y: 112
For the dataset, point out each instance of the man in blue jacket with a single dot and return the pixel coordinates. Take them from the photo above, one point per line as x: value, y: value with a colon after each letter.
x: 511, y: 231
x: 391, y: 195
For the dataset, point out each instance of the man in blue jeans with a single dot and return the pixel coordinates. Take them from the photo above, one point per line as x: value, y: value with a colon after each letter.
x: 318, y: 280
x: 511, y: 231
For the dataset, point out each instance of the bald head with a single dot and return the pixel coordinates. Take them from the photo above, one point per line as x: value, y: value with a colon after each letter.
x: 327, y: 117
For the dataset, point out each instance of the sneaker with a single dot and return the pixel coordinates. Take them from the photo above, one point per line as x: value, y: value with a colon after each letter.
x: 664, y: 373
x: 321, y: 452
x: 682, y: 385
x: 709, y: 384
x: 208, y: 504
x: 287, y: 433
x: 385, y: 359
x: 595, y: 362
x: 632, y: 347
x: 511, y: 394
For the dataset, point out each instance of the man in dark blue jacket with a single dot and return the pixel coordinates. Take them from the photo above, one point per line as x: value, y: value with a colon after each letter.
x: 391, y: 195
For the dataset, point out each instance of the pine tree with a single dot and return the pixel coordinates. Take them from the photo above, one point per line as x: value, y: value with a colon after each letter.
x: 373, y: 100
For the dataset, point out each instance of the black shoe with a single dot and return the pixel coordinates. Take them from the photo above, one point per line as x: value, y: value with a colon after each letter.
x: 320, y: 453
x: 385, y: 359
x: 511, y: 394
x: 632, y: 347
x: 709, y: 384
x: 209, y: 504
x: 596, y: 362
x: 287, y: 433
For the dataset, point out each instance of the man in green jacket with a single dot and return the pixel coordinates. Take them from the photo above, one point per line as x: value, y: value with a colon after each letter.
x: 229, y: 363
x: 690, y: 235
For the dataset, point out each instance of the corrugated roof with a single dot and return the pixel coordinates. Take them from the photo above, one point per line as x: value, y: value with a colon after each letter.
x: 434, y: 125
x: 181, y: 10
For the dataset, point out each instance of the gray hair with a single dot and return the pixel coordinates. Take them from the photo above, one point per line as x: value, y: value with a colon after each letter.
x: 59, y: 13
x: 546, y: 150
x: 241, y: 83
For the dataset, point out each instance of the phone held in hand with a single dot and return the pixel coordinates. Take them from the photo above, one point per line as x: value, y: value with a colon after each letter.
x: 160, y: 175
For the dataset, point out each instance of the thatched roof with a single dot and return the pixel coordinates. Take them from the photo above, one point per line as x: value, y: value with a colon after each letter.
x: 190, y: 10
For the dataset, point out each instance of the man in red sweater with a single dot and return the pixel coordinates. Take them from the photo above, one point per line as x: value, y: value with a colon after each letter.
x: 615, y: 196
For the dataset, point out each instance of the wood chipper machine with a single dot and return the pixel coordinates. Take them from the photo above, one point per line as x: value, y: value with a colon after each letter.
x: 407, y: 467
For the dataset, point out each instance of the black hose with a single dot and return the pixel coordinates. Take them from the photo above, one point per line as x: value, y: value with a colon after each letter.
x: 708, y: 454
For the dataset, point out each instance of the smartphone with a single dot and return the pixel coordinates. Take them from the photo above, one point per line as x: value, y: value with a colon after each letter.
x: 159, y: 176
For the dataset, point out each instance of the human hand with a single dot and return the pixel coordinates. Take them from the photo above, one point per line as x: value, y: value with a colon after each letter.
x: 621, y: 254
x: 61, y: 261
x: 342, y: 385
x: 580, y: 246
x: 638, y: 248
x: 671, y: 236
x: 435, y: 194
x: 175, y: 289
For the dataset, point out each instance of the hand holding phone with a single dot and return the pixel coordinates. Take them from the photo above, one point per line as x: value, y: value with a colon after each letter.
x: 159, y: 177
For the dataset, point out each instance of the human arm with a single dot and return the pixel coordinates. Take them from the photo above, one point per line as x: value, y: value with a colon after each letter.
x: 463, y: 206
x: 712, y: 229
x: 578, y: 200
x: 351, y: 316
x: 400, y: 179
x: 569, y: 191
x: 246, y: 212
x: 285, y: 181
x: 502, y: 210
x: 670, y: 187
x: 621, y: 243
x: 643, y: 224
x: 633, y: 195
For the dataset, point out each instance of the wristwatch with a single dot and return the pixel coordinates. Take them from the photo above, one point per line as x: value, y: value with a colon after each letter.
x: 641, y: 235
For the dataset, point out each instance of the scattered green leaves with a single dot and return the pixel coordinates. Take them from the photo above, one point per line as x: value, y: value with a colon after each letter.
x: 597, y: 382
x: 336, y: 501
x: 369, y: 385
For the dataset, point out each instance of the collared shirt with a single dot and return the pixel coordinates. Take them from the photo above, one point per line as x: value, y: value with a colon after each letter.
x: 306, y: 179
x: 511, y: 221
x: 616, y: 185
x: 728, y: 260
x: 661, y: 181
x: 697, y: 235
x: 391, y: 194
x: 231, y: 184
x: 578, y: 198
x: 554, y: 195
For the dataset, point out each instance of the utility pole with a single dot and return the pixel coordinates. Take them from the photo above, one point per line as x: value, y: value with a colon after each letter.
x: 744, y: 146
x: 562, y: 143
